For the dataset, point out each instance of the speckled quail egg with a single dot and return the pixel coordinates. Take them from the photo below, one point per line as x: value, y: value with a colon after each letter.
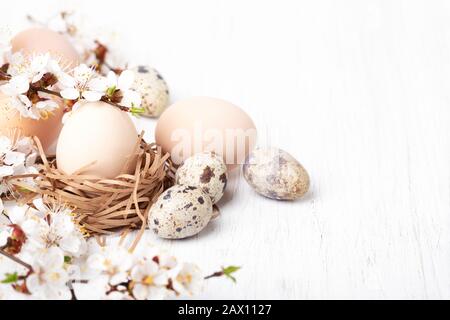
x: 207, y: 171
x: 180, y: 212
x: 275, y: 174
x: 153, y: 89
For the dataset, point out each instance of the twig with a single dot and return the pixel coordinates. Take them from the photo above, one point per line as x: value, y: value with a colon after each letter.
x: 45, y: 90
x: 17, y: 260
x: 227, y: 272
x: 72, y: 290
x: 55, y: 93
x: 80, y: 281
x: 103, y: 99
x: 7, y: 217
x: 214, y: 275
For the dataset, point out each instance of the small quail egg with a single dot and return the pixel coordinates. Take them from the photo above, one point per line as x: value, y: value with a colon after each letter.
x: 180, y: 212
x: 207, y: 171
x: 153, y: 89
x: 275, y: 174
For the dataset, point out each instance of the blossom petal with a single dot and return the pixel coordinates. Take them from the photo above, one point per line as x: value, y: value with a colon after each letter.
x: 111, y: 79
x: 14, y: 158
x: 6, y: 171
x: 40, y: 206
x: 67, y: 81
x: 125, y: 80
x: 82, y: 73
x: 17, y: 214
x: 131, y: 99
x: 92, y: 96
x: 140, y: 292
x: 38, y: 76
x: 70, y: 93
x: 5, y: 144
x: 99, y: 84
x: 19, y: 84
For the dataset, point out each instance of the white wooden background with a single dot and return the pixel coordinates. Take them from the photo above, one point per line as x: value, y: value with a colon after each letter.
x: 357, y: 90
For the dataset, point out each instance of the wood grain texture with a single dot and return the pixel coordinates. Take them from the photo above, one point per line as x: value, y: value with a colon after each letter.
x: 358, y: 92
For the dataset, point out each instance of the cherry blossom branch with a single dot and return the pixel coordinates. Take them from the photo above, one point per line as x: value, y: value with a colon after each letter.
x: 57, y: 94
x: 227, y: 272
x: 72, y: 291
x: 37, y: 88
x: 45, y: 90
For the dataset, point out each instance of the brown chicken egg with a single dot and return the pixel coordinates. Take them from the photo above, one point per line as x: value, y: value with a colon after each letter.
x: 39, y: 40
x: 42, y: 40
x: 47, y: 130
x: 201, y: 124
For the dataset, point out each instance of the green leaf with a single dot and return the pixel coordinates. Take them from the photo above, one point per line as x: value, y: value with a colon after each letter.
x: 67, y: 259
x: 137, y: 111
x: 228, y: 271
x: 110, y: 91
x: 10, y: 278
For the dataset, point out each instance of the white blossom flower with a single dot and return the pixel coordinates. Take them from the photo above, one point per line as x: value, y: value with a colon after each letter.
x: 26, y: 69
x: 84, y: 83
x: 16, y: 86
x: 59, y: 230
x: 187, y: 279
x: 130, y: 98
x: 44, y: 108
x: 38, y: 66
x: 6, y: 171
x: 24, y: 217
x: 22, y: 104
x: 5, y: 233
x: 16, y: 158
x: 115, y: 261
x: 149, y: 281
x: 48, y: 280
x: 167, y: 261
x: 33, y: 66
x: 26, y: 146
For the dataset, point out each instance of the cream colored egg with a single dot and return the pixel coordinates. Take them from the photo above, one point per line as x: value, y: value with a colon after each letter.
x: 153, y: 89
x: 47, y: 130
x: 202, y: 124
x: 99, y: 140
x: 42, y: 40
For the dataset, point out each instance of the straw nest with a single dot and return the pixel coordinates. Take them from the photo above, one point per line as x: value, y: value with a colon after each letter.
x: 103, y: 206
